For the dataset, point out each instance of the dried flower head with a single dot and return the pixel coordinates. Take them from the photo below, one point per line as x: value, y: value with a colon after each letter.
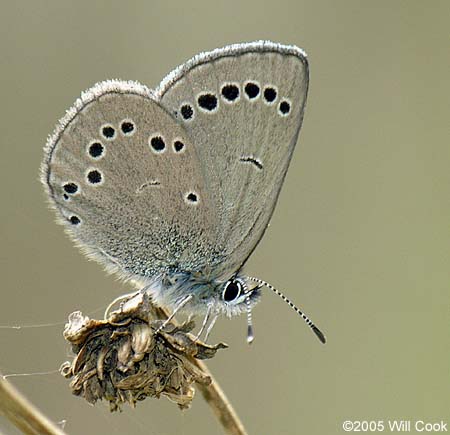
x: 122, y: 359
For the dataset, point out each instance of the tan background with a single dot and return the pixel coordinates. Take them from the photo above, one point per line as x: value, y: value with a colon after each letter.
x: 360, y: 237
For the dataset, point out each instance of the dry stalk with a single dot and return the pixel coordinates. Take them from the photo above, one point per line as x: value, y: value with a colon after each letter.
x: 22, y: 413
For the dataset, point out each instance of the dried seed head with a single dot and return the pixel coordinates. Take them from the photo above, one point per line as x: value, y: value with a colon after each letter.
x: 121, y: 359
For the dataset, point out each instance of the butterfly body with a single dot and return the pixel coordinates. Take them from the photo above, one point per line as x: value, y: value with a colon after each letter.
x: 174, y: 188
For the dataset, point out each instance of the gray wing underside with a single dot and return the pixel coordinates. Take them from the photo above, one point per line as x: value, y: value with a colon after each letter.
x: 136, y: 220
x: 244, y: 145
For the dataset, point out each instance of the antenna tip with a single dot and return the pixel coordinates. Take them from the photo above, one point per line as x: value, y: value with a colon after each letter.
x: 319, y: 334
x: 250, y: 335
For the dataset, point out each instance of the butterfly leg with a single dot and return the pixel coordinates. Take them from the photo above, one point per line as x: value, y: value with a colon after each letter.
x: 205, y: 321
x: 210, y: 327
x: 175, y: 311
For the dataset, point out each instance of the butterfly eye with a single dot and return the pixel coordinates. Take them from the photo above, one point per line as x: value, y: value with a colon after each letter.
x: 231, y: 291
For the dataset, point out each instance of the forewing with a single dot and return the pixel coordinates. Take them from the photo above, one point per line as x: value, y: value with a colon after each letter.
x: 127, y: 185
x: 243, y: 107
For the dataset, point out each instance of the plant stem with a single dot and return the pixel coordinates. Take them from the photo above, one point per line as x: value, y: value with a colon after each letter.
x: 215, y: 397
x: 22, y: 413
x: 217, y: 400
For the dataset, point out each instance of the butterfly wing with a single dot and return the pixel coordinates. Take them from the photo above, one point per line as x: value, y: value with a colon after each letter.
x: 126, y: 183
x: 243, y: 106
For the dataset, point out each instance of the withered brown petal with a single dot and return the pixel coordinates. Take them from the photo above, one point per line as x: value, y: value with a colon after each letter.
x: 122, y: 359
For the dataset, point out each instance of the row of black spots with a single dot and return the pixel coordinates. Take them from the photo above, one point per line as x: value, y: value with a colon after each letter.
x: 208, y: 101
x: 96, y: 149
x: 252, y: 91
x: 127, y: 127
x: 230, y: 92
x: 270, y: 94
x: 158, y: 144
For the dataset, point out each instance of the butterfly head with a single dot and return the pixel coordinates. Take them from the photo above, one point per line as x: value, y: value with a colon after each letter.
x: 238, y: 295
x: 229, y: 297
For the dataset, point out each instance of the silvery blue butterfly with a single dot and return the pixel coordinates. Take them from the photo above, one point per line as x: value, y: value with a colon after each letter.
x: 174, y: 188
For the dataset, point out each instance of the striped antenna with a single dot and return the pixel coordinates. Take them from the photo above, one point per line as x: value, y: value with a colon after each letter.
x: 250, y: 334
x: 315, y: 329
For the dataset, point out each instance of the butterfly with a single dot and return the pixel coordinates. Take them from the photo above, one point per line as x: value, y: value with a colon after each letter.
x: 173, y: 188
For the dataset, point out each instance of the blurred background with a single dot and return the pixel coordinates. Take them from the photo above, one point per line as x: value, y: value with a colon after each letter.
x: 359, y: 240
